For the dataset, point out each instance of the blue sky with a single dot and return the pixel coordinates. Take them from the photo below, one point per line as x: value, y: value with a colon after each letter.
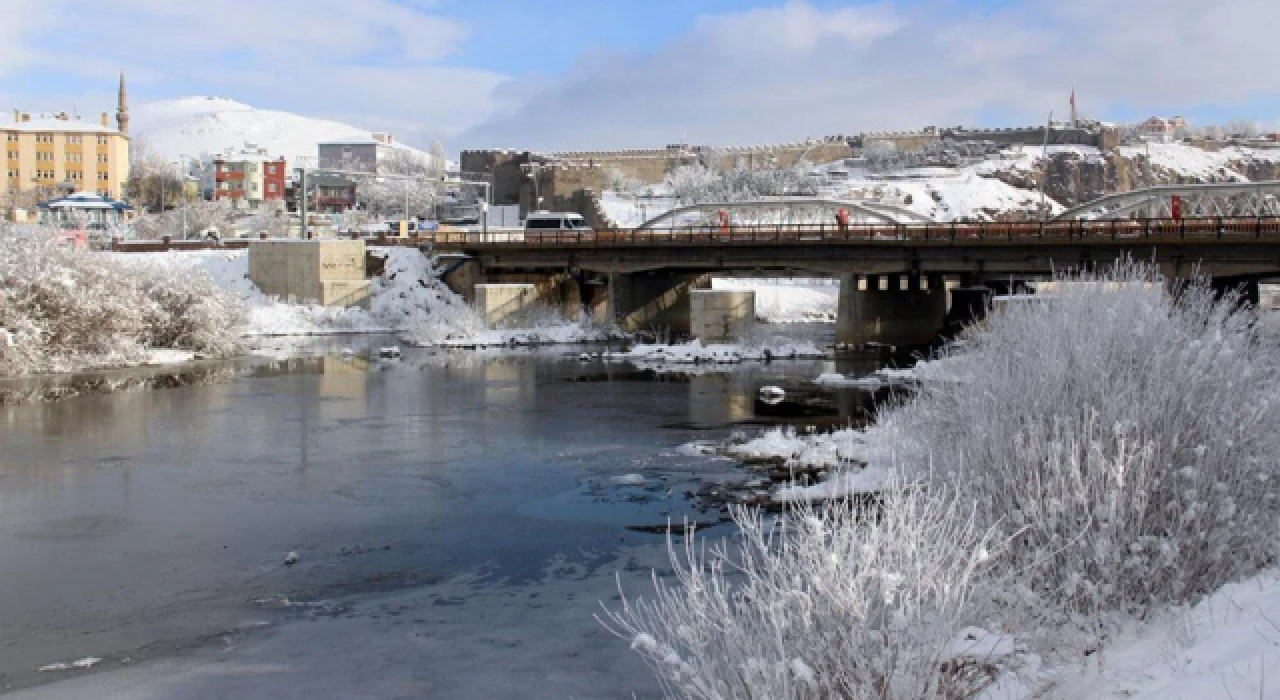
x: 589, y: 74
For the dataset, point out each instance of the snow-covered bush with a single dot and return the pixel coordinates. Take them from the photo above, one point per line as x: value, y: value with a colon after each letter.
x: 64, y: 309
x: 853, y: 601
x: 1118, y: 441
x: 1130, y: 436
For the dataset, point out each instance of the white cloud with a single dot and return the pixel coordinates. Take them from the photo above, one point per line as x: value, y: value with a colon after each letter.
x: 376, y: 63
x: 774, y: 73
x: 793, y: 71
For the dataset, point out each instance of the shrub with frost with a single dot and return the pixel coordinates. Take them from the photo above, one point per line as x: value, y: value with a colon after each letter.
x: 1130, y: 435
x: 1120, y: 443
x: 64, y: 309
x: 851, y: 601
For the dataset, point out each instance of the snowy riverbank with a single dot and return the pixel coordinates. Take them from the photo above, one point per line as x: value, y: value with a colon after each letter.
x: 408, y: 298
x: 1094, y: 480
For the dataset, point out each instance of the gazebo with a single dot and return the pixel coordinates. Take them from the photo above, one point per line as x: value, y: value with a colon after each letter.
x: 85, y: 209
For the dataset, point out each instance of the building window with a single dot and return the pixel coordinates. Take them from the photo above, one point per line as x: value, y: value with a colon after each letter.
x: 253, y: 187
x: 271, y: 170
x: 271, y: 187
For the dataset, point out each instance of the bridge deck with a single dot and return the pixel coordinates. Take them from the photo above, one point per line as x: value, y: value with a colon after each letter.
x: 1026, y: 233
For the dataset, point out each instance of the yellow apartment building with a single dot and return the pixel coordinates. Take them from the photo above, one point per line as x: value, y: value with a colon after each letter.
x: 47, y: 151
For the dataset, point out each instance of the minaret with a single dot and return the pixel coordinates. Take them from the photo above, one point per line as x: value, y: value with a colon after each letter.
x: 122, y: 109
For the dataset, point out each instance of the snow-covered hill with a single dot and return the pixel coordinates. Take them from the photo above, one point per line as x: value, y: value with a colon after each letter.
x: 1005, y: 183
x: 210, y: 125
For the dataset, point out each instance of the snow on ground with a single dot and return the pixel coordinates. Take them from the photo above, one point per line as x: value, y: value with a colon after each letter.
x: 168, y: 356
x: 229, y: 269
x: 629, y: 211
x: 788, y: 300
x: 1227, y: 647
x: 211, y: 125
x: 1188, y: 161
x: 963, y: 195
x: 408, y: 298
x: 972, y: 192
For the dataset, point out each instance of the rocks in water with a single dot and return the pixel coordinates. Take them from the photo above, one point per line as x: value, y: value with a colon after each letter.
x: 391, y: 352
x: 291, y: 558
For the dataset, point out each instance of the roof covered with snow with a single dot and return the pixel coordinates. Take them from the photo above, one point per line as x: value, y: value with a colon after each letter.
x: 45, y: 123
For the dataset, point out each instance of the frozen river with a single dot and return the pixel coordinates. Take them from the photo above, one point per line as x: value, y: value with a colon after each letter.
x: 458, y: 518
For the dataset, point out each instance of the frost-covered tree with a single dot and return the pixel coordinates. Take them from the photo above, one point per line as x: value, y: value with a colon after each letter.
x: 696, y: 184
x: 1242, y: 128
x: 270, y: 218
x: 64, y: 309
x: 154, y: 184
x: 200, y: 216
x: 404, y: 180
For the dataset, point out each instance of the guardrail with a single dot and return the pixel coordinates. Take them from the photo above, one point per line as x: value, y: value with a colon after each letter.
x: 1215, y: 228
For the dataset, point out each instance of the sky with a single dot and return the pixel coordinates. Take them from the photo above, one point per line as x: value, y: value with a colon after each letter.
x: 590, y: 74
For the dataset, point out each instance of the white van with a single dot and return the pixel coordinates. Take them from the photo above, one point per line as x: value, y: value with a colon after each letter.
x: 550, y: 226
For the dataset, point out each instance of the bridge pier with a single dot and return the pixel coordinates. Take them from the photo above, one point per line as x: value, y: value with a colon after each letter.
x: 722, y: 315
x: 654, y: 300
x: 903, y: 310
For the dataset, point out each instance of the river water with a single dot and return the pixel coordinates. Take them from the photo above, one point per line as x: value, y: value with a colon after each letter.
x: 458, y: 519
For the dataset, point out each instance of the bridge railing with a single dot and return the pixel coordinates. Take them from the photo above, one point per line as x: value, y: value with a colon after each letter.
x: 1205, y: 228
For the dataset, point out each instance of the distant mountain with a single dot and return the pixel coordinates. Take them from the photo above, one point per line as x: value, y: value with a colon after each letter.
x: 209, y: 125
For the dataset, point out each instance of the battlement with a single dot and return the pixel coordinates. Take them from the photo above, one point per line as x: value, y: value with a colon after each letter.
x: 925, y: 132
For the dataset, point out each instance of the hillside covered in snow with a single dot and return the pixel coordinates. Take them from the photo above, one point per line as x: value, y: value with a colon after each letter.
x: 1003, y: 185
x: 193, y: 126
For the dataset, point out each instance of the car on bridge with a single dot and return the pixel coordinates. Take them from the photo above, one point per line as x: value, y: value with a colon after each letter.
x: 554, y: 226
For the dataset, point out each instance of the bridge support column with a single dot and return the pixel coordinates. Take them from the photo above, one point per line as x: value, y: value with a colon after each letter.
x: 891, y: 316
x: 656, y: 301
x: 722, y: 315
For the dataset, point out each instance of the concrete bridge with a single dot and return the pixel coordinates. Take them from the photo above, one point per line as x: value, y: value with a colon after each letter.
x: 898, y: 280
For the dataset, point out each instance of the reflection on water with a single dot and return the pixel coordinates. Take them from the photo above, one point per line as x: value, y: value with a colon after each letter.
x: 131, y: 518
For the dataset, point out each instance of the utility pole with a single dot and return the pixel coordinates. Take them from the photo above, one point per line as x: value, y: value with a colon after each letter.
x: 302, y: 203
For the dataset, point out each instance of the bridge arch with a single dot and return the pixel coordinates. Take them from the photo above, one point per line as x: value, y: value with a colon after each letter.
x: 1227, y: 199
x: 783, y: 210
